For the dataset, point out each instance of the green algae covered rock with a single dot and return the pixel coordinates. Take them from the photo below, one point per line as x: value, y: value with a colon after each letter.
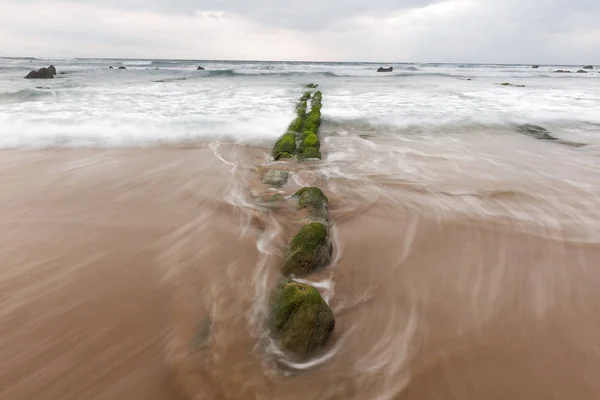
x: 282, y: 155
x: 309, y: 250
x: 286, y: 143
x: 296, y: 125
x: 305, y: 97
x: 314, y: 200
x: 309, y: 153
x: 310, y: 140
x: 301, y: 321
x: 311, y: 123
x: 301, y: 109
x: 276, y: 197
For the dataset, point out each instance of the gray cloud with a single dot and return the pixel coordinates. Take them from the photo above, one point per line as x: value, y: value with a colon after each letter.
x: 528, y: 31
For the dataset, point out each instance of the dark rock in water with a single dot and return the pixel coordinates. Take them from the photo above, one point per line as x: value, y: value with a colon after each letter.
x: 381, y: 69
x: 588, y: 67
x: 314, y: 200
x: 52, y: 70
x: 200, y: 68
x: 111, y: 67
x: 510, y: 84
x: 121, y: 67
x: 581, y: 72
x: 562, y: 71
x: 310, y: 250
x: 275, y: 178
x: 301, y: 321
x: 535, y: 131
x: 42, y: 73
x: 535, y: 66
x: 311, y: 86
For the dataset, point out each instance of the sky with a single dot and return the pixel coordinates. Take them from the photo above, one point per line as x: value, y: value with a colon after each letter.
x: 481, y: 31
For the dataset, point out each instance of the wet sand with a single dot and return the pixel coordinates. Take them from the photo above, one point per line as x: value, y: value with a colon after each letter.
x: 145, y: 274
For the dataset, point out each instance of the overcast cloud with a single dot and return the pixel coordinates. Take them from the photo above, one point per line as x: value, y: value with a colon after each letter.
x: 500, y: 31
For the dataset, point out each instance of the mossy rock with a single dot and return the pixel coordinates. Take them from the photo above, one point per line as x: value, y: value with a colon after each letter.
x: 314, y: 200
x: 308, y: 153
x: 311, y: 124
x: 310, y: 250
x: 296, y: 125
x: 276, y: 197
x: 305, y: 97
x: 301, y: 321
x: 283, y: 155
x: 286, y: 143
x: 308, y: 140
x: 301, y: 110
x: 311, y: 86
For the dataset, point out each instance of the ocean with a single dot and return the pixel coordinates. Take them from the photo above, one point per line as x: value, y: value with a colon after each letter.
x: 140, y: 248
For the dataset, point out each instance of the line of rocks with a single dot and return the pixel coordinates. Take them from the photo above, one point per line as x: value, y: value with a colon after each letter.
x: 301, y: 322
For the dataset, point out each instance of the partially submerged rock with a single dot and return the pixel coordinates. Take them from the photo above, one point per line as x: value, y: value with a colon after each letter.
x: 42, y: 73
x: 314, y: 201
x: 535, y: 131
x: 282, y: 155
x: 309, y: 153
x: 285, y: 144
x: 311, y: 86
x: 382, y: 69
x: 110, y: 67
x: 581, y: 72
x: 562, y: 71
x: 310, y: 250
x: 122, y: 67
x: 200, y: 68
x: 535, y: 66
x: 301, y: 321
x: 275, y: 178
x: 310, y: 140
x: 52, y: 69
x: 276, y: 197
x: 510, y: 84
x: 588, y: 67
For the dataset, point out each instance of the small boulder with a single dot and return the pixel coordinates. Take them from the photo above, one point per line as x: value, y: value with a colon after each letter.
x: 314, y: 201
x: 581, y: 72
x: 276, y: 197
x: 122, y: 67
x: 535, y: 67
x: 111, y: 67
x: 52, y: 70
x: 200, y: 68
x: 382, y: 69
x: 310, y: 250
x: 275, y: 178
x: 311, y: 86
x: 301, y: 321
x: 42, y: 73
x: 562, y: 71
x: 510, y: 84
x: 588, y: 67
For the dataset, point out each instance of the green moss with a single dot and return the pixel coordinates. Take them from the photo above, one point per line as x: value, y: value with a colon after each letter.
x: 282, y: 155
x: 311, y: 123
x: 286, y: 143
x: 309, y: 152
x: 314, y: 200
x: 301, y: 110
x: 300, y: 319
x: 312, y: 140
x: 309, y: 250
x: 276, y: 197
x: 296, y: 125
x: 305, y: 97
